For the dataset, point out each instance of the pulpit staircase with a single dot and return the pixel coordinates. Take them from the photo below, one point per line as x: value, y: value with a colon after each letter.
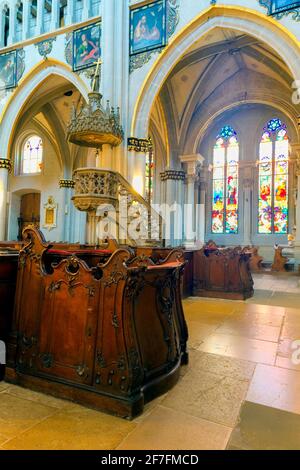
x: 108, y: 198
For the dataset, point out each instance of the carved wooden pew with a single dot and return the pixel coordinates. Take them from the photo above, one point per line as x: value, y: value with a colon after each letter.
x: 279, y: 263
x: 222, y: 273
x: 255, y: 260
x: 8, y: 275
x: 111, y: 335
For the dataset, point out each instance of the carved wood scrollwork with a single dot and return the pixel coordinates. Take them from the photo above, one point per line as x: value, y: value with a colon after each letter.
x: 82, y: 371
x: 47, y: 360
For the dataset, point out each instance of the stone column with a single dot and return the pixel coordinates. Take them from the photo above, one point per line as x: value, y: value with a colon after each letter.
x: 172, y: 205
x: 39, y: 17
x: 5, y: 167
x: 201, y: 216
x: 137, y: 167
x: 2, y: 24
x: 67, y: 187
x: 91, y: 158
x: 12, y: 23
x: 26, y: 15
x: 296, y: 150
x: 247, y: 194
x: 107, y: 161
x: 86, y: 10
x: 55, y: 15
x: 108, y: 22
x: 193, y: 165
x: 70, y: 12
x: 295, y: 158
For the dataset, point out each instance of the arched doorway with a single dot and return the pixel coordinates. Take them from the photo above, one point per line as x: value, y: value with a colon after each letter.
x: 230, y: 73
x: 30, y: 212
x: 242, y: 21
x: 36, y: 118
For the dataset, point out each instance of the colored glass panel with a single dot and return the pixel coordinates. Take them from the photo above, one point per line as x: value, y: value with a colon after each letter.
x: 32, y: 155
x: 273, y: 179
x: 225, y: 183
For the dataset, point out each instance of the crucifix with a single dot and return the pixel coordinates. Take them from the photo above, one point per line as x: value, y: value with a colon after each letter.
x: 96, y: 78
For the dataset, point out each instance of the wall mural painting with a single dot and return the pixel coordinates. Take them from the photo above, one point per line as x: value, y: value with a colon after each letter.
x: 281, y: 8
x: 148, y: 27
x: 8, y: 70
x: 86, y: 46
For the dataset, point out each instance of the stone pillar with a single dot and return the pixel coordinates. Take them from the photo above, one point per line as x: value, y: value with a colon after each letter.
x: 39, y: 17
x: 12, y: 23
x: 67, y: 187
x: 295, y: 158
x: 193, y: 165
x: 107, y: 161
x: 91, y: 158
x: 2, y: 23
x: 137, y: 167
x: 99, y: 158
x: 86, y: 10
x: 55, y: 15
x: 70, y: 12
x: 172, y: 206
x: 91, y: 228
x: 200, y: 215
x: 5, y: 167
x: 247, y: 195
x: 26, y: 15
x: 108, y: 22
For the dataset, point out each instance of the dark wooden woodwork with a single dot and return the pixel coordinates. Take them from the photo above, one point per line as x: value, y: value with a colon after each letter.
x: 255, y: 261
x: 159, y: 254
x: 8, y: 275
x: 111, y: 335
x: 222, y: 273
x: 279, y: 263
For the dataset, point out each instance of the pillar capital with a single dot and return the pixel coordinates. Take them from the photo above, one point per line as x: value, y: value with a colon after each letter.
x: 175, y: 175
x: 5, y: 164
x: 66, y: 183
x: 193, y: 163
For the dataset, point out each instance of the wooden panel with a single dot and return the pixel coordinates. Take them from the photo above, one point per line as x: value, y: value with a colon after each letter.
x: 110, y: 336
x: 222, y: 273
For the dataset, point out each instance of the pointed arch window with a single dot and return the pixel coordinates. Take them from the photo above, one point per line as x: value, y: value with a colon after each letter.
x: 32, y: 157
x: 273, y: 179
x: 225, y: 183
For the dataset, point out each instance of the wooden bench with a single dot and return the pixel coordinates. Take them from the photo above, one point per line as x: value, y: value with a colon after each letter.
x: 222, y: 273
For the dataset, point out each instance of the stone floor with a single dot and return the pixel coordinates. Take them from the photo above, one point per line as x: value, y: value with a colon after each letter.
x: 241, y: 389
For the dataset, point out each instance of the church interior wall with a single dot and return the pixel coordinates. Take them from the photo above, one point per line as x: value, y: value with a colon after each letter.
x: 248, y: 121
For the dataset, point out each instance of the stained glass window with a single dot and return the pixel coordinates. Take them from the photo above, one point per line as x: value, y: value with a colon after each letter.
x: 273, y: 179
x: 225, y: 182
x: 32, y: 155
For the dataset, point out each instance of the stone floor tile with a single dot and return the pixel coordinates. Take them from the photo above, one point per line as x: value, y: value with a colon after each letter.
x: 249, y: 329
x: 209, y: 396
x: 286, y: 363
x: 275, y: 387
x: 75, y: 428
x: 17, y: 414
x: 264, y: 428
x: 220, y: 365
x: 252, y: 350
x: 37, y: 397
x: 177, y: 431
x: 3, y: 386
x: 198, y: 332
